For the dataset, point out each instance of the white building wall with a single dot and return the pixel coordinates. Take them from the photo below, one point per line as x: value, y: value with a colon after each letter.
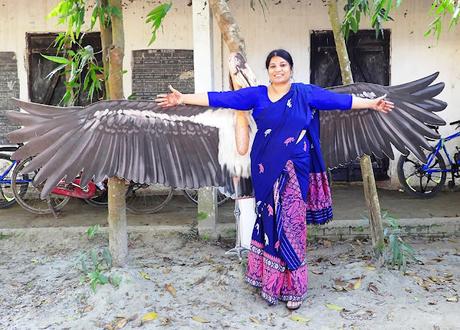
x: 287, y: 25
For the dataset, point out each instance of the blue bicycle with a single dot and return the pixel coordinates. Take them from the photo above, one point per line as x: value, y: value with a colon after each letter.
x: 7, y: 165
x: 425, y: 180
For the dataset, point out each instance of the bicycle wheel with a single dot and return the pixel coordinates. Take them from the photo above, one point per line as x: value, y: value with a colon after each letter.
x: 192, y: 195
x: 31, y: 201
x: 418, y: 182
x: 6, y: 192
x: 101, y: 199
x: 143, y: 198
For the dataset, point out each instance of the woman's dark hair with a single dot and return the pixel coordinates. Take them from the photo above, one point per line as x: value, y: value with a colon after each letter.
x: 281, y: 53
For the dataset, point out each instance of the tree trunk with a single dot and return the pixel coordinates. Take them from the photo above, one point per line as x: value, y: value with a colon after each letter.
x: 118, y: 234
x: 228, y: 26
x: 235, y: 43
x: 370, y: 190
x: 106, y: 42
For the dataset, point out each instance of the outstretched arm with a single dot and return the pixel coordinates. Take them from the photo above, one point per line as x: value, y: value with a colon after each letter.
x: 377, y: 104
x: 324, y: 99
x: 242, y: 99
x: 176, y: 98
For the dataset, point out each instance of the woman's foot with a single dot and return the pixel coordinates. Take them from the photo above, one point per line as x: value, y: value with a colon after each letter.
x: 293, y: 305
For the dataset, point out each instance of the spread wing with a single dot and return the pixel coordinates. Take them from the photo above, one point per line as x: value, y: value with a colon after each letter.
x: 348, y: 135
x: 134, y: 140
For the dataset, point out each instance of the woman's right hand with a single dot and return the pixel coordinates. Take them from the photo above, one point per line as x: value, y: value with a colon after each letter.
x: 171, y: 99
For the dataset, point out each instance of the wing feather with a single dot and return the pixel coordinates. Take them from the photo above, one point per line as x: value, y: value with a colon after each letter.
x: 136, y: 140
x: 407, y: 127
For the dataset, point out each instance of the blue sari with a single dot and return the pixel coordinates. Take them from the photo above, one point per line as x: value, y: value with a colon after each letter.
x: 289, y: 179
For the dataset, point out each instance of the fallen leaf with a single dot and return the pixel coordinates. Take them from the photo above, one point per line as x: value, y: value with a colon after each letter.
x: 433, y: 279
x: 200, y: 280
x: 149, y: 317
x: 166, y: 270
x: 357, y: 284
x: 418, y: 280
x: 254, y: 320
x: 87, y: 308
x: 432, y: 302
x: 299, y: 318
x: 370, y: 267
x: 452, y: 299
x: 372, y: 288
x: 165, y: 321
x: 170, y: 289
x: 335, y: 307
x: 327, y: 243
x: 144, y: 275
x: 317, y: 272
x: 120, y: 324
x: 340, y: 285
x: 199, y: 319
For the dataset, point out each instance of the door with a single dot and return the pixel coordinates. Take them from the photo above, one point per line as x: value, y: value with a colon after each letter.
x: 51, y: 90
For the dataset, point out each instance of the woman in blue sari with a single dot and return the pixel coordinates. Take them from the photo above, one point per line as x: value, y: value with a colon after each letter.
x: 287, y: 170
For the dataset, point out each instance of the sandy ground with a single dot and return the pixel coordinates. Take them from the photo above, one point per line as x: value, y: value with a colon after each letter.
x: 192, y: 284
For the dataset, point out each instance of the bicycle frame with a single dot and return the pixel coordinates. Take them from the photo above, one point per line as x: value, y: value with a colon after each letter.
x: 440, y: 145
x: 7, y: 171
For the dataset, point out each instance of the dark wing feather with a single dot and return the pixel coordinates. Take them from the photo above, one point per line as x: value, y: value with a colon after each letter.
x: 348, y: 135
x: 134, y: 140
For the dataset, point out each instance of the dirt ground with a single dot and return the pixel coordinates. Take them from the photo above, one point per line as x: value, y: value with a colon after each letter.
x: 192, y: 284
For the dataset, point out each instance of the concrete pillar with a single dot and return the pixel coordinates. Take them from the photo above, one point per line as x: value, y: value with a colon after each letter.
x: 203, y: 74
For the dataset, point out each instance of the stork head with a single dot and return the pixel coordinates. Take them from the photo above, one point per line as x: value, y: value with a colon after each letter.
x: 241, y: 73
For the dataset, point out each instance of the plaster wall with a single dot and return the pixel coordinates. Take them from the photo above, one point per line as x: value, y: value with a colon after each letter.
x: 287, y: 24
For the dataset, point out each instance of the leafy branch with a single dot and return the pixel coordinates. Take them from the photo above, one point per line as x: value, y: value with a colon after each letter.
x: 378, y: 11
x: 440, y: 9
x: 397, y: 251
x: 95, y: 266
x: 73, y: 59
x: 74, y: 66
x: 156, y: 17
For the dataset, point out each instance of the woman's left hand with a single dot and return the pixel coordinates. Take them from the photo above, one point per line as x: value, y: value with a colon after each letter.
x: 382, y: 105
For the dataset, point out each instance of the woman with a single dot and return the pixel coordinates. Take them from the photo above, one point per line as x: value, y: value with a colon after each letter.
x: 287, y: 170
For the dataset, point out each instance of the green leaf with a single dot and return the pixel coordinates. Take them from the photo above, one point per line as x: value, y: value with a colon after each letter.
x: 300, y: 319
x: 156, y: 17
x: 334, y: 307
x: 55, y: 70
x: 56, y: 59
x: 107, y: 256
x: 94, y: 258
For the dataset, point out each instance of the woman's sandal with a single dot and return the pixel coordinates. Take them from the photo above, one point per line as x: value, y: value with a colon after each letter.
x: 293, y: 305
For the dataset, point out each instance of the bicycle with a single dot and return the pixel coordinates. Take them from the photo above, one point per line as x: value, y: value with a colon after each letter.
x: 140, y: 198
x: 7, y: 165
x: 426, y: 180
x: 192, y: 196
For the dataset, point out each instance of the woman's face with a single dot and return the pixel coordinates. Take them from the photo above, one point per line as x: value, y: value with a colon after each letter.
x: 279, y: 70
